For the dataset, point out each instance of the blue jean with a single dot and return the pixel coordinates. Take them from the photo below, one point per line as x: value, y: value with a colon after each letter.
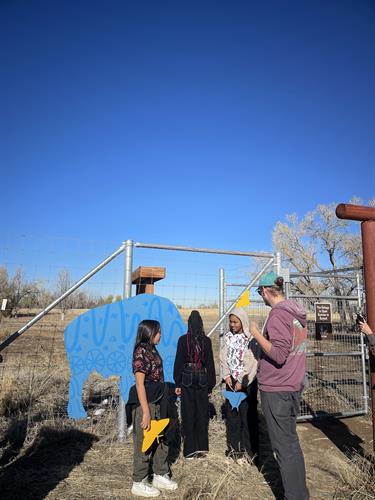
x: 280, y: 411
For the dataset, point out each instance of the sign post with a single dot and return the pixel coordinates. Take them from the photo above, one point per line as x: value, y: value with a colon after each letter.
x: 3, y: 307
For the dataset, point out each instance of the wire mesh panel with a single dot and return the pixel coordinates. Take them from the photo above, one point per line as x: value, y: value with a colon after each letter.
x: 35, y: 373
x: 335, y: 382
x: 334, y: 386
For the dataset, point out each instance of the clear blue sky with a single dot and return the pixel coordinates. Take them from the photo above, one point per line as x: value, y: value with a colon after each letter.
x: 182, y: 122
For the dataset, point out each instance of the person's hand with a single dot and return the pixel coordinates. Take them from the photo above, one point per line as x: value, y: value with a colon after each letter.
x: 228, y: 381
x: 365, y: 328
x: 146, y: 421
x: 177, y: 391
x: 238, y: 386
x: 254, y: 327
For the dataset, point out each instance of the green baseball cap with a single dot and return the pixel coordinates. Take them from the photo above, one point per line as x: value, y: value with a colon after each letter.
x: 268, y: 279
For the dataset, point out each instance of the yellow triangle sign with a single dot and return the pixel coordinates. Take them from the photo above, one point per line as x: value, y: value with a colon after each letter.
x: 244, y: 299
x: 157, y: 426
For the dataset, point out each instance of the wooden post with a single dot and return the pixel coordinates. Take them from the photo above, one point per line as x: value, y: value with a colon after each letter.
x: 145, y: 277
x: 367, y: 217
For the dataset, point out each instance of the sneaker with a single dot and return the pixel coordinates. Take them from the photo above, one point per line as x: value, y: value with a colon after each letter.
x: 144, y: 489
x: 164, y: 482
x: 129, y: 430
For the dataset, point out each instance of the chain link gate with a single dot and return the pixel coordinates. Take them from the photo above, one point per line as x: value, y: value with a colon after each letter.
x: 336, y: 368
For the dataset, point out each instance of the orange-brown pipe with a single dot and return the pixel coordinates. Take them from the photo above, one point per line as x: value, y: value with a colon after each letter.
x: 355, y: 212
x: 367, y: 216
x: 368, y: 245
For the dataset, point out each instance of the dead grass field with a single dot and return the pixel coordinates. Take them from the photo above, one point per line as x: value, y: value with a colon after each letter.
x: 43, y: 454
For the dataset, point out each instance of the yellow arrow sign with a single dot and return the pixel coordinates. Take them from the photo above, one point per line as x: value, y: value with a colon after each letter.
x: 157, y: 426
x: 244, y: 300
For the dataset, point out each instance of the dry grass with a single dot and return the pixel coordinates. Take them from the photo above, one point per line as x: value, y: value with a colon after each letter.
x: 43, y: 454
x: 49, y: 456
x: 43, y: 449
x: 55, y: 457
x: 357, y: 478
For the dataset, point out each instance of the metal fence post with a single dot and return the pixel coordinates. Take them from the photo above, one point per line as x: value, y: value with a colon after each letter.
x: 221, y: 307
x: 364, y: 381
x: 127, y: 293
x: 364, y: 356
x: 128, y: 269
x: 287, y: 290
x: 359, y: 294
x: 364, y: 352
x: 277, y: 263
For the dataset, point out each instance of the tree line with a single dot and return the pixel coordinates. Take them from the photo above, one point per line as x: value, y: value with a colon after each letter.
x: 27, y: 294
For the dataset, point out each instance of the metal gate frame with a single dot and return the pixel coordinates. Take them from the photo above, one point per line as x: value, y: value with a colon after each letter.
x: 360, y: 353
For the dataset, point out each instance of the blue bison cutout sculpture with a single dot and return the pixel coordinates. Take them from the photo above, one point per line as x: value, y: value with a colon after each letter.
x: 102, y: 339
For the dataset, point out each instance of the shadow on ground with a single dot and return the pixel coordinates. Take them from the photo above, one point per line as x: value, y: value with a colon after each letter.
x: 342, y: 437
x: 47, y: 462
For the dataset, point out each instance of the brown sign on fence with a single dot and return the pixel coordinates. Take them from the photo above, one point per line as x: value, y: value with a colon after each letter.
x: 323, y: 312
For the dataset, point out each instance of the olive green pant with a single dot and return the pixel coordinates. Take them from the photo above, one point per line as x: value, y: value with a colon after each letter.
x: 155, y: 460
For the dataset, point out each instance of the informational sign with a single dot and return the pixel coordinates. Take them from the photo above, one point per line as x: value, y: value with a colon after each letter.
x: 4, y: 304
x: 323, y: 313
x: 323, y: 321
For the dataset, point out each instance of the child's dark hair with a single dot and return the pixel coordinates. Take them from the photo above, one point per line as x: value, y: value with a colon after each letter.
x: 147, y: 329
x: 195, y: 324
x: 277, y: 288
x: 194, y: 339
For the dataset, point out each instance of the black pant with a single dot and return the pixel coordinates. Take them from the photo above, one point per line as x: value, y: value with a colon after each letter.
x: 242, y: 424
x: 194, y: 411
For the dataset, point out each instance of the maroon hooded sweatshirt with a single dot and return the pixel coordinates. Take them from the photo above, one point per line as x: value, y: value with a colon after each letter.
x: 283, y: 368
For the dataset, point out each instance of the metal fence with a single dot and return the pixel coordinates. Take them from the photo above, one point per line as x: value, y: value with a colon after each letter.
x: 37, y: 356
x: 207, y: 280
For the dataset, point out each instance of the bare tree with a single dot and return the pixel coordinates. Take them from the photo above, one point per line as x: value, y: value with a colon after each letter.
x: 17, y: 290
x: 63, y: 284
x: 320, y: 242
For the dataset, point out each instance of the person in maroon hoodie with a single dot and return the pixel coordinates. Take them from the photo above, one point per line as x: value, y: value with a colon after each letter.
x: 281, y: 373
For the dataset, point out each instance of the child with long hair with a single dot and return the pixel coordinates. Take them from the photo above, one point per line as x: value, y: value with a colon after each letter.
x: 238, y: 358
x: 150, y: 391
x: 194, y: 375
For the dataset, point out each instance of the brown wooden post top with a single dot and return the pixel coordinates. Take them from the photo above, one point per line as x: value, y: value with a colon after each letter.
x: 355, y: 212
x: 367, y: 216
x: 145, y: 277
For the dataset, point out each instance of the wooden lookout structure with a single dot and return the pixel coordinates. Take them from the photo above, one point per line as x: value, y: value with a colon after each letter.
x: 145, y: 277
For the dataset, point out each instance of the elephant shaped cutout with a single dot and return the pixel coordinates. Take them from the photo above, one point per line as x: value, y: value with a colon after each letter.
x: 102, y: 340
